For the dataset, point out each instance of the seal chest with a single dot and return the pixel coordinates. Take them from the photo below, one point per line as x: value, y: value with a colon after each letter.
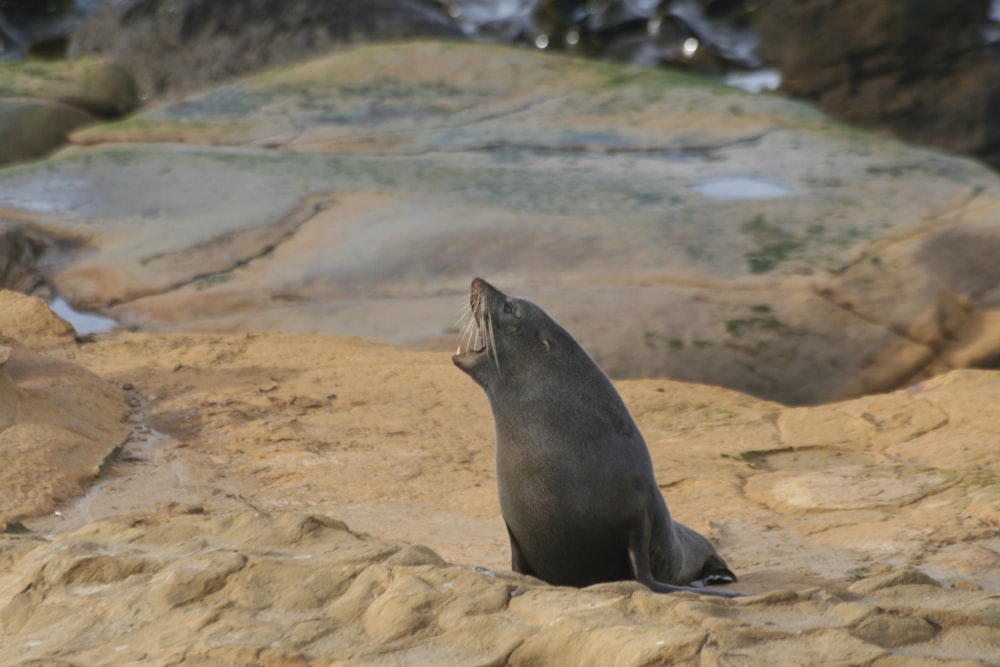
x: 575, y: 479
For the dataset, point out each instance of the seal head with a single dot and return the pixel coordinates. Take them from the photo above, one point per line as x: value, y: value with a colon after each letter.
x: 574, y: 475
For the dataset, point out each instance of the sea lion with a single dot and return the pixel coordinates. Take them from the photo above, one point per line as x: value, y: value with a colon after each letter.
x: 575, y: 478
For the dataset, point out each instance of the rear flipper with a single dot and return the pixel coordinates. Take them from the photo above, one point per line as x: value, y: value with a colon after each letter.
x: 713, y: 573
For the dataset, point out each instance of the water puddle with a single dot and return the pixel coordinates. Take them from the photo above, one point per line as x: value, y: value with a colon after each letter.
x: 740, y: 187
x: 804, y: 459
x: 47, y: 194
x: 152, y: 470
x: 754, y: 81
x: 83, y: 323
x: 142, y: 476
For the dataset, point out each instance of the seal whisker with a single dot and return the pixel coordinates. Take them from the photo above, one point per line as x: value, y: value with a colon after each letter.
x: 468, y: 331
x: 492, y: 347
x: 463, y: 312
x: 472, y: 338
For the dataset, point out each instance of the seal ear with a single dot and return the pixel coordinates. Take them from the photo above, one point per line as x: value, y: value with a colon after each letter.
x: 543, y: 339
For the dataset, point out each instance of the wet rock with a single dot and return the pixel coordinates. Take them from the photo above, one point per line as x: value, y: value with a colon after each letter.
x: 920, y: 70
x: 178, y: 46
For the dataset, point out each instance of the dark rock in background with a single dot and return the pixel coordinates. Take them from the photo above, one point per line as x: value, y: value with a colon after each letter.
x: 42, y: 102
x: 921, y: 70
x: 188, y: 44
x: 38, y: 28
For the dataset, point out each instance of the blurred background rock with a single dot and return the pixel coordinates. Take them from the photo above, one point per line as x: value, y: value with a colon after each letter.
x: 927, y: 72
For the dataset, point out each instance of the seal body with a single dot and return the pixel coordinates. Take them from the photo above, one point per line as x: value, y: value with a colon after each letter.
x: 575, y: 478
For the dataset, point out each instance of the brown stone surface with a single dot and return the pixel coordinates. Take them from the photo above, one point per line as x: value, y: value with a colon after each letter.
x: 58, y: 421
x: 866, y: 530
x: 28, y: 320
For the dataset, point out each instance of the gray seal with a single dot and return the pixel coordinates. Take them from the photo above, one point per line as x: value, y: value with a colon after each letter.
x: 576, y: 483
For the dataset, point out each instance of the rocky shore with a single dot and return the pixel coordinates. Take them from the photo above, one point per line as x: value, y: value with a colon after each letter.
x: 273, y: 461
x: 285, y: 499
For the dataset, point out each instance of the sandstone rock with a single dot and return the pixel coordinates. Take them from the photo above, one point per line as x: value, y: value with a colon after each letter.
x: 262, y: 434
x: 43, y: 101
x: 381, y: 612
x: 890, y: 631
x: 29, y: 320
x: 58, y: 425
x: 397, y: 442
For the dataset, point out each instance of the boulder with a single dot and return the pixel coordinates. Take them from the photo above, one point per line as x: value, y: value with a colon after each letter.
x: 677, y: 227
x: 42, y: 102
x: 31, y: 128
x: 99, y: 87
x: 919, y: 70
x: 178, y: 46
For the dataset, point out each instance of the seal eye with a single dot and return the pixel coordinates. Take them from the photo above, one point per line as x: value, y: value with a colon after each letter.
x: 508, y: 308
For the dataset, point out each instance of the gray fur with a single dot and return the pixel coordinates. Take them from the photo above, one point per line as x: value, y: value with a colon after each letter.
x: 576, y: 482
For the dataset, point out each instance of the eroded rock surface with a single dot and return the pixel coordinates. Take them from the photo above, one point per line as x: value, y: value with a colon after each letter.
x: 865, y: 530
x: 295, y: 589
x: 58, y: 422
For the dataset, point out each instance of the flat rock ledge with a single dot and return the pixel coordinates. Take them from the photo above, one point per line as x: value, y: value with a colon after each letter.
x: 678, y: 227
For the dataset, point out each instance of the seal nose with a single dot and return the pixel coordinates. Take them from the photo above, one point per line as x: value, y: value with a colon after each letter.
x: 480, y: 294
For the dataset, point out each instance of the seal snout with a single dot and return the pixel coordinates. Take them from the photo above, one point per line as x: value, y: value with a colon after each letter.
x: 479, y: 298
x: 477, y: 338
x: 472, y: 341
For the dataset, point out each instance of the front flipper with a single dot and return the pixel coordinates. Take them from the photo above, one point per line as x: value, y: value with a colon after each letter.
x: 638, y: 558
x: 517, y: 562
